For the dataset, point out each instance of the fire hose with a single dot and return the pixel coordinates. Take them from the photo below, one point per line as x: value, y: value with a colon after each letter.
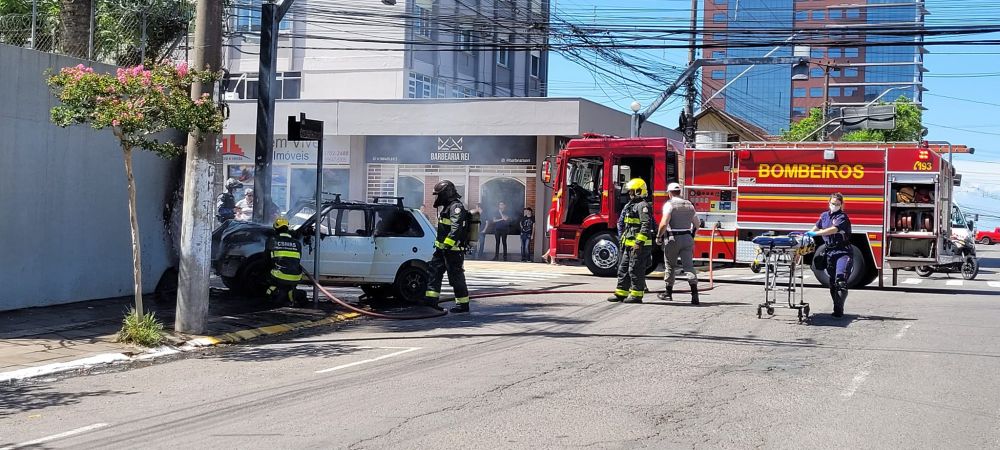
x: 333, y: 298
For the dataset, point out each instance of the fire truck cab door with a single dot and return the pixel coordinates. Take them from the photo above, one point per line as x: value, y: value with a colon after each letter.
x: 625, y: 169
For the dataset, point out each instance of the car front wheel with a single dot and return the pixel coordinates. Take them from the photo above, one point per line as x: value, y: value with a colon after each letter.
x: 253, y: 278
x: 411, y: 284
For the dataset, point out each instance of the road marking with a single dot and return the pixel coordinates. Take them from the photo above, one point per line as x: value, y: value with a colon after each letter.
x: 55, y: 437
x: 855, y: 384
x: 995, y: 284
x: 954, y: 282
x: 903, y: 331
x: 358, y: 363
x: 913, y: 281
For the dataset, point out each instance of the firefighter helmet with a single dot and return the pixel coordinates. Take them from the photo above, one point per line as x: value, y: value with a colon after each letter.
x: 280, y: 222
x: 636, y: 184
x: 445, y: 192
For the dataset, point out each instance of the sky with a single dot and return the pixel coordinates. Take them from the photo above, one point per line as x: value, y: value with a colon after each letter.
x: 961, y: 109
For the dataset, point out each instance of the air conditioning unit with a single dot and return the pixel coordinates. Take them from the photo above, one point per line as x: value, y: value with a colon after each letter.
x: 231, y: 96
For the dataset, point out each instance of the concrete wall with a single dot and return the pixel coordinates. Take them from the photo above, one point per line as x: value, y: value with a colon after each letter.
x: 65, y: 228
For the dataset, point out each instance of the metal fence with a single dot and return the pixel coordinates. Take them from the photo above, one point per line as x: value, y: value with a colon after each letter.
x: 116, y: 36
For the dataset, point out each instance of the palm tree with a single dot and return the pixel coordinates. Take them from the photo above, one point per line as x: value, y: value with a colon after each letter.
x: 74, y: 18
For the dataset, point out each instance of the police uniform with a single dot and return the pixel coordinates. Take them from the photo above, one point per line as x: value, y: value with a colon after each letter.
x: 839, y: 256
x: 678, y: 243
x: 636, y: 248
x: 449, y: 255
x: 286, y: 270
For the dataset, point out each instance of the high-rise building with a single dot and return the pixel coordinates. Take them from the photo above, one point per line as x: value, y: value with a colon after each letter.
x: 364, y: 49
x: 843, y: 43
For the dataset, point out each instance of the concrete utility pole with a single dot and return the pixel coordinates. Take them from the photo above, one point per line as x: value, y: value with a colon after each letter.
x: 689, y: 125
x: 826, y: 97
x: 196, y: 226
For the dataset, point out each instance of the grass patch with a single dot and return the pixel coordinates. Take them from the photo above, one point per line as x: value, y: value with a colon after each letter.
x: 142, y: 330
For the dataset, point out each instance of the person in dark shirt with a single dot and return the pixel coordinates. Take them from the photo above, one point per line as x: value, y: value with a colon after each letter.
x: 835, y: 228
x: 527, y: 229
x: 500, y: 225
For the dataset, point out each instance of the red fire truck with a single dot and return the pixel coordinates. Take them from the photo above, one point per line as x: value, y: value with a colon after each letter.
x: 898, y: 195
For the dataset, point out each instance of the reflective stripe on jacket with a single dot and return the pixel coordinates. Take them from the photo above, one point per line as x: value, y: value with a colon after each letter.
x: 286, y: 254
x: 452, y: 228
x: 638, y: 228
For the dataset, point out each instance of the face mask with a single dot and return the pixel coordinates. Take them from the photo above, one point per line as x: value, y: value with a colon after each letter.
x: 834, y: 208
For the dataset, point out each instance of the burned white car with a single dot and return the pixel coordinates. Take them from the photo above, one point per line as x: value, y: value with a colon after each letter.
x: 381, y: 248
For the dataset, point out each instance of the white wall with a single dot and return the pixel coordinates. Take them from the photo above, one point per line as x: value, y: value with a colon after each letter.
x: 65, y: 225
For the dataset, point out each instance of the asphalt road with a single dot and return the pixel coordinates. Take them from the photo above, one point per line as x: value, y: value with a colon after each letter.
x: 913, y: 369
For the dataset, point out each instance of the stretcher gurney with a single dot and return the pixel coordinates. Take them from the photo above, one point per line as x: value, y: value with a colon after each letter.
x: 784, y: 271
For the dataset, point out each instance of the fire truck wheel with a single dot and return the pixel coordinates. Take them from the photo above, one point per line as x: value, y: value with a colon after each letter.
x: 601, y: 255
x: 859, y: 273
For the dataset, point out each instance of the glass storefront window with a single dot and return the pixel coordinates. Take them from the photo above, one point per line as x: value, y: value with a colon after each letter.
x: 303, y: 184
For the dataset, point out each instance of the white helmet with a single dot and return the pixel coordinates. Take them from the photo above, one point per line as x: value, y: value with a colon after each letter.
x: 673, y: 187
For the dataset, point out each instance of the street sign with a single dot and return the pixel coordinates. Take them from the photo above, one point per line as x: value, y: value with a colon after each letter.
x: 304, y: 129
x: 881, y: 117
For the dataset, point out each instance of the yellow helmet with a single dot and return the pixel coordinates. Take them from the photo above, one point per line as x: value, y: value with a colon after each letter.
x: 280, y: 222
x: 637, y: 184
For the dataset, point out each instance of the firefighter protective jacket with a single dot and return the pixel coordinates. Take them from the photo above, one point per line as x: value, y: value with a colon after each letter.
x: 286, y: 253
x: 638, y: 224
x: 453, y: 226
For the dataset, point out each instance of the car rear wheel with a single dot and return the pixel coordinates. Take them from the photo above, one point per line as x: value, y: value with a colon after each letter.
x: 411, y: 284
x: 253, y: 278
x: 986, y: 241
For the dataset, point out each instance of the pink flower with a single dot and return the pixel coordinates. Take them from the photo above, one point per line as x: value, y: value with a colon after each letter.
x: 116, y: 122
x: 200, y: 101
x: 182, y: 69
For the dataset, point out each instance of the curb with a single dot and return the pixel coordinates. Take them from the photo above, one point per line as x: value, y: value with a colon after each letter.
x: 107, y: 359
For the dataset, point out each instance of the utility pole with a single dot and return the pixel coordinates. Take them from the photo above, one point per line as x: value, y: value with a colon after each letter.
x: 689, y: 125
x: 271, y: 14
x: 827, y: 66
x: 196, y: 225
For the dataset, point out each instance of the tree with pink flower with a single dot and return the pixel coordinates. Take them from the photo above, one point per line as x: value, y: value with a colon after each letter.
x: 137, y: 104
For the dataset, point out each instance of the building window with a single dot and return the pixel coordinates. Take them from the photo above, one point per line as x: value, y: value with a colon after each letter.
x: 465, y: 40
x: 503, y: 54
x: 536, y: 6
x: 851, y: 72
x: 420, y: 86
x: 799, y: 92
x: 421, y: 21
x: 719, y: 17
x: 850, y: 92
x: 835, y: 73
x: 816, y: 92
x: 836, y: 14
x: 851, y: 52
x: 536, y: 63
x: 835, y: 92
x: 816, y: 72
x: 798, y: 111
x: 835, y: 52
x: 801, y: 15
x: 288, y: 85
x: 464, y: 92
x: 720, y: 2
x: 853, y: 13
x: 247, y: 14
x: 718, y: 55
x: 816, y: 53
x: 819, y: 15
x: 718, y: 74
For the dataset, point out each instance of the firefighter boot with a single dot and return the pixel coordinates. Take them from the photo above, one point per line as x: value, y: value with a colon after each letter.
x: 432, y: 302
x: 460, y: 308
x: 694, y: 294
x: 667, y: 295
x: 619, y: 295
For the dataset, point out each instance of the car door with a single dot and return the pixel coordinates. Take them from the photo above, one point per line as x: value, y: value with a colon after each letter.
x: 399, y: 237
x: 349, y: 252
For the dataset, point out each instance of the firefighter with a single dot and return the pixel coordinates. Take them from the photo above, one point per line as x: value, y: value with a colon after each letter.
x: 676, y: 234
x: 635, y: 244
x: 450, y: 246
x: 835, y: 228
x: 285, y: 252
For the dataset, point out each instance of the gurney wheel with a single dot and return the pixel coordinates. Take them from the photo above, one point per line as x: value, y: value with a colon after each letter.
x: 758, y: 312
x: 806, y: 313
x: 770, y: 311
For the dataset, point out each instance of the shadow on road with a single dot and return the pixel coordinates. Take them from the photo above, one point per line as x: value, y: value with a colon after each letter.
x: 827, y: 320
x: 19, y: 398
x: 277, y: 352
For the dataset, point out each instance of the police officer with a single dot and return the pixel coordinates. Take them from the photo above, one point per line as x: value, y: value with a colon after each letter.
x: 285, y: 252
x: 226, y: 204
x: 450, y: 246
x: 676, y: 234
x: 835, y: 228
x: 635, y: 245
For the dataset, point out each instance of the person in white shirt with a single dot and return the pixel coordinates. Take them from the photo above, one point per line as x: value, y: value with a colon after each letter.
x: 244, y: 208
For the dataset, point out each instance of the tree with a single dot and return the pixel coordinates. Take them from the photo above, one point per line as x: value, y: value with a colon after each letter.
x: 804, y: 127
x: 74, y: 29
x: 909, y: 126
x: 136, y: 103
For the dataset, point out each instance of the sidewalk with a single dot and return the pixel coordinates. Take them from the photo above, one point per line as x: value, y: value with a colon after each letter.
x: 41, y: 337
x: 36, y: 337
